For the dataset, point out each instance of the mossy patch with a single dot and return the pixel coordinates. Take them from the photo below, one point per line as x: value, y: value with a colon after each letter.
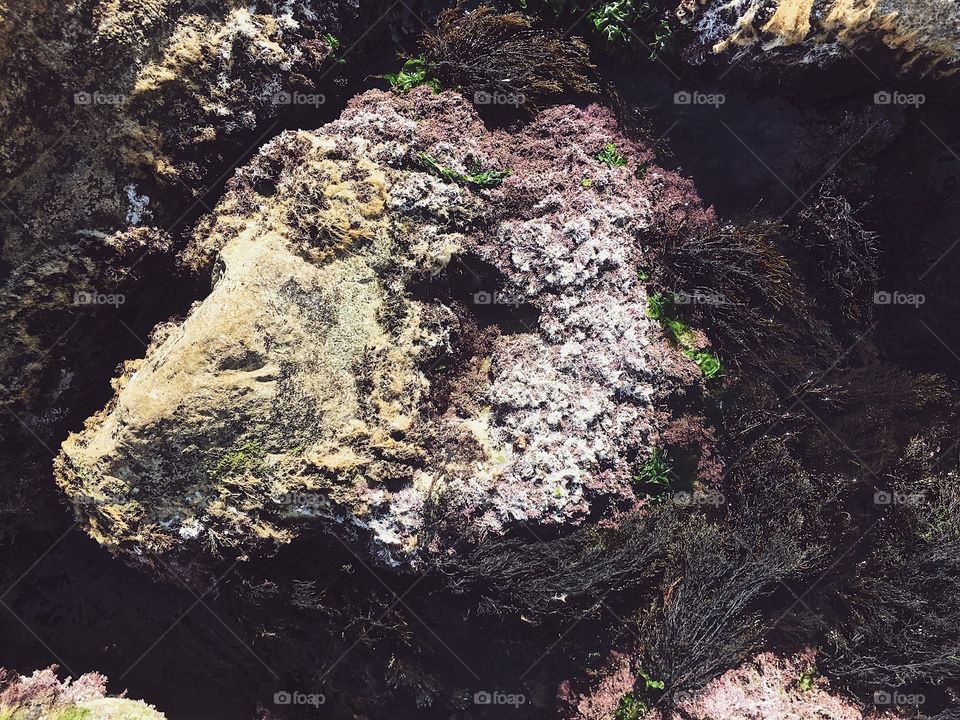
x: 654, y: 477
x: 630, y: 707
x: 247, y: 457
x: 414, y: 73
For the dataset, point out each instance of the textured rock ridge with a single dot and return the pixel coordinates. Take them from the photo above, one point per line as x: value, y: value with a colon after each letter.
x: 922, y: 35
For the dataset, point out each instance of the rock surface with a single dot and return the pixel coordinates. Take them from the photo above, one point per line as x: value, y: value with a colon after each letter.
x: 917, y: 37
x: 43, y: 696
x: 115, y: 122
x: 423, y: 344
x: 387, y: 340
x: 153, y: 99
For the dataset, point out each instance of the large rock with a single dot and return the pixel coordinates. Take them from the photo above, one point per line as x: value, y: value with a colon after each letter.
x: 387, y: 342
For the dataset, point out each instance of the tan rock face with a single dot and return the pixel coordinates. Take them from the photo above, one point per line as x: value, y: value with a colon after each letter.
x: 111, y: 112
x: 920, y: 34
x: 382, y: 345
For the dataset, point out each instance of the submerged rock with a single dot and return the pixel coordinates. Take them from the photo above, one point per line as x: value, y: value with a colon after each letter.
x: 401, y: 341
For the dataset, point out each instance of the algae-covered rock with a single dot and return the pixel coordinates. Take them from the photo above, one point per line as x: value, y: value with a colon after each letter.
x: 765, y: 687
x: 398, y: 329
x: 43, y: 696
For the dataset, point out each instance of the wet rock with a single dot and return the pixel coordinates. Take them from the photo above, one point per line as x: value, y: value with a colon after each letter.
x: 60, y: 313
